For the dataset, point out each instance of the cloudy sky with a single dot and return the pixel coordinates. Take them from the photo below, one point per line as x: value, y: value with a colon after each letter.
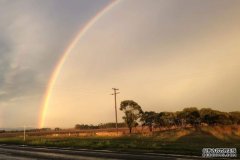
x: 164, y: 54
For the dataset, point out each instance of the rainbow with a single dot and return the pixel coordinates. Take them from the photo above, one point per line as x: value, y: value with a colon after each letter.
x: 57, y: 69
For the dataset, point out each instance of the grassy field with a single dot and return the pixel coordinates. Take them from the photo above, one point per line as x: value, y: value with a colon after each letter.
x: 179, y: 141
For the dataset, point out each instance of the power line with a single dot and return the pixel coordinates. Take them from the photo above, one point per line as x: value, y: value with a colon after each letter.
x: 115, y: 100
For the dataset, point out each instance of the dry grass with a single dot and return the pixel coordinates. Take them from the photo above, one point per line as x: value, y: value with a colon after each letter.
x: 173, y: 135
x: 224, y: 132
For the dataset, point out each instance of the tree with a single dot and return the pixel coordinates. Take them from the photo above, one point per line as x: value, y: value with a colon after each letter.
x: 132, y: 113
x: 57, y: 129
x: 165, y: 119
x: 180, y: 118
x: 192, y: 116
x: 209, y: 116
x: 223, y: 118
x: 212, y: 117
x: 112, y: 125
x: 148, y: 119
x: 85, y: 126
x: 235, y: 117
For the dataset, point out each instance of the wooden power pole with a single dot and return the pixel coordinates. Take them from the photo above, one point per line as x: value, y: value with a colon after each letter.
x: 115, y: 100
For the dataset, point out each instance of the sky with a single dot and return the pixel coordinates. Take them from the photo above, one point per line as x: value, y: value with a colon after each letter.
x: 163, y: 54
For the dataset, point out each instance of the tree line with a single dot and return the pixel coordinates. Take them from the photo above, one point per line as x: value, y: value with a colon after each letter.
x: 134, y: 116
x: 99, y: 126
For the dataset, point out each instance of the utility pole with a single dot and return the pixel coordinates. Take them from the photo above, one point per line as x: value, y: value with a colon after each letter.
x: 115, y: 100
x: 24, y: 133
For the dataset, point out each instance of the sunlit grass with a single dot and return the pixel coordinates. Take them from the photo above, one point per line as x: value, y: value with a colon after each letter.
x: 223, y: 132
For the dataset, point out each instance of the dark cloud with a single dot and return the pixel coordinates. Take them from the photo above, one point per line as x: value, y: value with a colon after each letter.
x: 33, y: 36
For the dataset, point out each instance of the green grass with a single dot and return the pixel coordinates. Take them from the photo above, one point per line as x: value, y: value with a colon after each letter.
x: 185, y: 141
